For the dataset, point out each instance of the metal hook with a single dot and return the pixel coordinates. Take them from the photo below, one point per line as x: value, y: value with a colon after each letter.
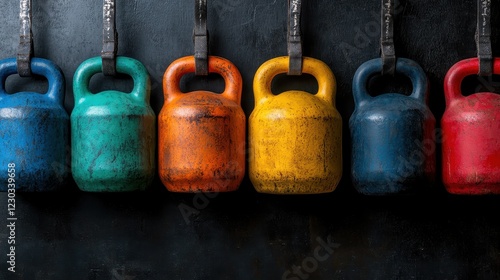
x: 110, y: 38
x: 200, y: 38
x: 294, y: 37
x: 25, y: 50
x: 388, y: 52
x: 483, y: 38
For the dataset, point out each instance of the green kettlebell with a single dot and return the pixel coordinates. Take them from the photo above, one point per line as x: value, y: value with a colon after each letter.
x: 113, y: 133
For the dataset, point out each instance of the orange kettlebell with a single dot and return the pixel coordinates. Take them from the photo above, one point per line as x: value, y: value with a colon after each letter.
x: 201, y: 134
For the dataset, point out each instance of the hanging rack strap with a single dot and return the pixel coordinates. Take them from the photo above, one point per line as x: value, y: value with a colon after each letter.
x: 200, y: 37
x: 483, y: 38
x: 388, y: 52
x: 109, y: 38
x: 25, y: 50
x: 294, y: 37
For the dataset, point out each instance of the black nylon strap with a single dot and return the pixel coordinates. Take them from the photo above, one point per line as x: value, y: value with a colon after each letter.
x: 483, y: 38
x: 25, y: 50
x: 294, y: 37
x: 109, y: 38
x: 200, y: 35
x: 388, y: 51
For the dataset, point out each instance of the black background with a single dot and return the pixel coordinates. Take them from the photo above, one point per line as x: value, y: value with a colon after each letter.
x: 245, y: 235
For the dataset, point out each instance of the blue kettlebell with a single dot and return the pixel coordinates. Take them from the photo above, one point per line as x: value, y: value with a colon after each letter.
x: 393, y: 143
x: 34, y: 131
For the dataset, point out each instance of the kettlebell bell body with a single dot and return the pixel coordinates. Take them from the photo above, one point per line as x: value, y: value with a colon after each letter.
x: 34, y: 131
x: 113, y: 133
x: 201, y: 134
x: 393, y: 143
x: 471, y: 135
x: 295, y: 137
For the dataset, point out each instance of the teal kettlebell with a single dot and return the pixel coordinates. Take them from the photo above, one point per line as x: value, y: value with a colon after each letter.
x: 113, y: 133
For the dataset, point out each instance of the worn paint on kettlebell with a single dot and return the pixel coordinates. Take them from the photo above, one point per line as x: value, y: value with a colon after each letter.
x: 295, y: 137
x: 471, y: 134
x: 201, y: 134
x: 34, y: 130
x: 393, y: 144
x: 113, y: 133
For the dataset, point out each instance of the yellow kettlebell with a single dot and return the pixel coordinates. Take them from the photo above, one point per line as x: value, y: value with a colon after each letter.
x: 295, y: 137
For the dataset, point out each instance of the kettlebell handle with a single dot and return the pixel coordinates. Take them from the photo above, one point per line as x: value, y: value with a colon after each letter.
x: 404, y: 66
x: 124, y: 65
x: 39, y: 66
x: 457, y: 73
x: 185, y: 65
x: 327, y: 85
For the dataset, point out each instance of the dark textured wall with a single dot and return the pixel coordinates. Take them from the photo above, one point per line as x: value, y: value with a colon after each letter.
x: 246, y: 235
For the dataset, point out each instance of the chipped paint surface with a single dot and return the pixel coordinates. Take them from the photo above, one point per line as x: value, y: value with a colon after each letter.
x: 295, y: 137
x: 113, y: 133
x: 201, y: 134
x: 471, y: 135
x: 393, y: 143
x: 34, y: 131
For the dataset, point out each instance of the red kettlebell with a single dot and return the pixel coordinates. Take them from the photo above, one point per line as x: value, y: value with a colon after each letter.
x: 471, y: 134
